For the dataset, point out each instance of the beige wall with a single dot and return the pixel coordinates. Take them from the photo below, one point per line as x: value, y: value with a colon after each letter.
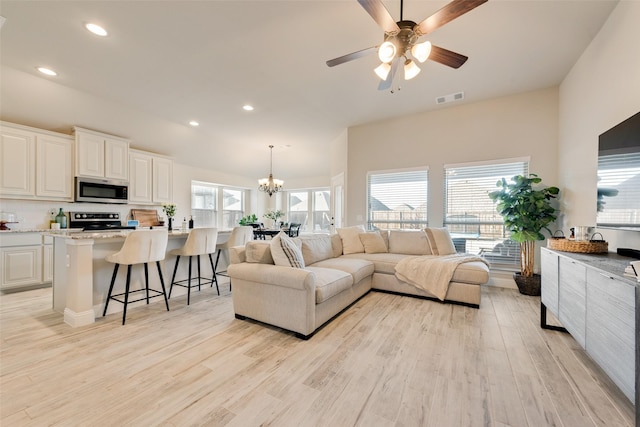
x: 601, y: 90
x: 523, y: 125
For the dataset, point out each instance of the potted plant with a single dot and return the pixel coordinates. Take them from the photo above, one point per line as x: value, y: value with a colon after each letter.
x: 248, y: 220
x: 170, y: 211
x: 274, y: 216
x: 526, y: 212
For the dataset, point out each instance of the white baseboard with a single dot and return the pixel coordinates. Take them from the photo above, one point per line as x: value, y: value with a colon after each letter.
x: 76, y: 320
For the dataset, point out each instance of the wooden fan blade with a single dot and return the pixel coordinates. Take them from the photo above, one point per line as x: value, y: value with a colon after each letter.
x: 447, y: 57
x: 448, y: 13
x: 380, y: 14
x: 386, y: 84
x: 351, y: 56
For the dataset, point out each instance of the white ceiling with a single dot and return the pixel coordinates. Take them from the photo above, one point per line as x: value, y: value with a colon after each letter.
x: 165, y: 63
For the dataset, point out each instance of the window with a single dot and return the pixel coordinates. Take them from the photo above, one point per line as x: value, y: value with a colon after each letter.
x: 397, y: 199
x: 471, y: 216
x: 207, y: 197
x: 204, y: 204
x: 311, y: 209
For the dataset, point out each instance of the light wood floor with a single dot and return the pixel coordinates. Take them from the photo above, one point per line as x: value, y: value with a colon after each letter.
x: 387, y: 361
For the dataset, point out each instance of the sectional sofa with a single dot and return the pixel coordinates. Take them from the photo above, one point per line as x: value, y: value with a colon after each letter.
x: 316, y: 277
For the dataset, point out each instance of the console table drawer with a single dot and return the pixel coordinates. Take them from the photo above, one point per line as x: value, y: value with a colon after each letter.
x: 572, y: 298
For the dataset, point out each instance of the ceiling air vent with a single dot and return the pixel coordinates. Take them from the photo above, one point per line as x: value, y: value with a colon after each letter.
x: 450, y: 98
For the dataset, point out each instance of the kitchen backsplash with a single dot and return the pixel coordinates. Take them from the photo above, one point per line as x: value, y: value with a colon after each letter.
x: 37, y: 214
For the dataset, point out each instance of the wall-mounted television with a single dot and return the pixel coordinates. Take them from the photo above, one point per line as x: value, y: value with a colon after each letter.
x: 619, y: 176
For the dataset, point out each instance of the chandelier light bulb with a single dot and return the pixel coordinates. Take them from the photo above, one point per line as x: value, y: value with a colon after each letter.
x: 270, y: 185
x: 387, y: 51
x: 421, y: 51
x: 383, y: 70
x: 410, y: 69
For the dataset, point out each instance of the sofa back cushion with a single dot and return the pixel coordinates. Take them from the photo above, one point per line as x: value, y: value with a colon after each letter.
x: 316, y: 248
x: 409, y: 242
x: 258, y: 251
x: 373, y: 243
x: 440, y: 241
x: 286, y: 252
x: 351, y: 243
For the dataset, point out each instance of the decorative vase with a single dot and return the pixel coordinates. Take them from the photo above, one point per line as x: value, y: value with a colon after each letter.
x: 170, y: 223
x: 528, y: 285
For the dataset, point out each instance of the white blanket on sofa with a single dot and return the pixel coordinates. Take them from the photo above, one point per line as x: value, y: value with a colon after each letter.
x: 432, y: 273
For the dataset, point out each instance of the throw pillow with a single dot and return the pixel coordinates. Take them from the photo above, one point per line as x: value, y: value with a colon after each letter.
x: 258, y: 251
x: 316, y: 248
x: 351, y: 243
x: 408, y: 242
x: 373, y: 243
x: 440, y: 241
x: 286, y: 252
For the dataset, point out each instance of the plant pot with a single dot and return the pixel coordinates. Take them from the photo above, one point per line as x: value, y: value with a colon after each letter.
x: 528, y: 285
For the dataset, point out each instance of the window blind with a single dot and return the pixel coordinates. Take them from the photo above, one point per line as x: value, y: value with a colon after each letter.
x: 397, y: 200
x: 618, y: 195
x: 471, y: 216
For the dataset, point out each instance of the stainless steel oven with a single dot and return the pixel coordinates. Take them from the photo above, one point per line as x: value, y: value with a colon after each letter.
x: 98, y: 190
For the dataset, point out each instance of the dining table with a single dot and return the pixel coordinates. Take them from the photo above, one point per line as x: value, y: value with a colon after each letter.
x: 271, y: 231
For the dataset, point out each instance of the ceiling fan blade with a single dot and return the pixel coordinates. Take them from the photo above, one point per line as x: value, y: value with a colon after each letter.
x: 448, y: 13
x: 351, y: 56
x: 447, y: 57
x: 380, y: 14
x: 386, y: 84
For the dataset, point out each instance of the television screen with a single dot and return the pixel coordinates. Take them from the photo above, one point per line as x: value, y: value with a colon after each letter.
x: 619, y: 176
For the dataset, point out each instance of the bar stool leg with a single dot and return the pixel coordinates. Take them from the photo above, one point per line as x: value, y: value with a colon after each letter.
x: 217, y: 259
x: 189, y: 287
x: 198, y: 257
x: 146, y: 280
x: 215, y: 278
x: 173, y: 278
x: 164, y: 292
x: 113, y: 280
x: 126, y: 294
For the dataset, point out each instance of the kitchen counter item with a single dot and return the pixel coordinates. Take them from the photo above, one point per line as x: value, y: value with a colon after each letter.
x: 7, y: 218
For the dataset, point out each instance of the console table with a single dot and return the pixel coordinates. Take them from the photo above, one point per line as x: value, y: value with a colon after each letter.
x: 598, y: 306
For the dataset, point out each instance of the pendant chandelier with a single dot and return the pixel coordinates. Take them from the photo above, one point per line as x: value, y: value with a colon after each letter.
x: 270, y: 185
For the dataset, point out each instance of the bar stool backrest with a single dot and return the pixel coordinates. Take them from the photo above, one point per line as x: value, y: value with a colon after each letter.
x: 142, y: 246
x: 240, y: 236
x: 201, y: 241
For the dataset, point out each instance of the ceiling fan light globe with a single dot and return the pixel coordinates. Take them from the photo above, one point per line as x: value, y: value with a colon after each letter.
x: 383, y: 70
x: 421, y: 51
x: 387, y: 51
x: 410, y: 69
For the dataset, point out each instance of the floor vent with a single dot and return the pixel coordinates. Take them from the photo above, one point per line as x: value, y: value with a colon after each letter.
x: 450, y: 98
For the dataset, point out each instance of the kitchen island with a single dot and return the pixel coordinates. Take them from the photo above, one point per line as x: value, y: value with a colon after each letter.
x: 81, y: 276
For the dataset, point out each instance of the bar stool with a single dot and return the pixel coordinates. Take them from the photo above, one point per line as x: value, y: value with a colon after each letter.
x: 140, y: 247
x: 201, y: 241
x: 239, y: 237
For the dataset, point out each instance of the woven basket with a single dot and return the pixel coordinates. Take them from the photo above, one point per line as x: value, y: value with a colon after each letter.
x: 593, y: 246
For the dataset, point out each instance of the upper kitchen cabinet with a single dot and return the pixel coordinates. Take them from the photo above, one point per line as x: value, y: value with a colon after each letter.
x: 100, y: 155
x: 150, y: 178
x: 36, y: 164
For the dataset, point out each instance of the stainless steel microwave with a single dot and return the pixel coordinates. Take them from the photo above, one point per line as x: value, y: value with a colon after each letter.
x: 99, y: 190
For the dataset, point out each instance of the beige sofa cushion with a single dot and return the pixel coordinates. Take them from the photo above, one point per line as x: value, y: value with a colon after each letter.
x: 408, y: 242
x: 258, y: 251
x: 440, y: 241
x: 382, y: 263
x: 286, y: 252
x: 316, y: 248
x: 351, y: 243
x: 358, y: 268
x: 373, y: 243
x: 330, y: 282
x: 336, y: 245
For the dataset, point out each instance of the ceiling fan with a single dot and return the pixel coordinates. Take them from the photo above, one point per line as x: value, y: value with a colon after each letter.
x: 401, y: 38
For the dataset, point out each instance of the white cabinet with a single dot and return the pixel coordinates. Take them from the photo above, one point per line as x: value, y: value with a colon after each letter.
x: 21, y: 260
x: 549, y: 285
x: 151, y: 178
x: 162, y: 180
x: 17, y: 159
x: 100, y: 155
x: 54, y: 168
x: 47, y: 259
x: 36, y: 164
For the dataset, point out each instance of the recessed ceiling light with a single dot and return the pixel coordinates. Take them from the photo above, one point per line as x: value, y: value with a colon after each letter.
x: 194, y: 123
x: 96, y: 29
x: 47, y: 71
x: 247, y: 107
